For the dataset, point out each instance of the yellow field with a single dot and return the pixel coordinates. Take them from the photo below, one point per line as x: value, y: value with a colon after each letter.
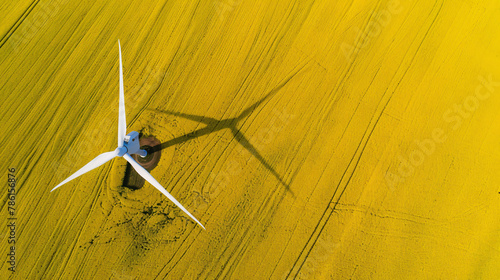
x: 372, y: 151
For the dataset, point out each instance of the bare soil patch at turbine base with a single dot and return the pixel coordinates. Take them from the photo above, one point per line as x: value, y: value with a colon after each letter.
x: 133, y: 180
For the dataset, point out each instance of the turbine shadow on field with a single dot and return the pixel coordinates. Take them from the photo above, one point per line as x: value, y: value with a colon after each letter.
x: 213, y: 125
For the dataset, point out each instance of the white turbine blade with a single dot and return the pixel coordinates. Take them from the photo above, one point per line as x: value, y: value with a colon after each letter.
x: 122, y: 123
x: 96, y: 162
x: 145, y: 174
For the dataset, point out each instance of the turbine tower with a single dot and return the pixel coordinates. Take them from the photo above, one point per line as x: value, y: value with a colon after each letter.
x: 127, y: 145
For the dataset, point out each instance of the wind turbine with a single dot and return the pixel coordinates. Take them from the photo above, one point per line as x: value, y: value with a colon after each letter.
x: 127, y: 145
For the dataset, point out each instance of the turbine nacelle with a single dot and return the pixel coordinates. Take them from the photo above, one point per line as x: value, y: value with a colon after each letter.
x: 131, y: 143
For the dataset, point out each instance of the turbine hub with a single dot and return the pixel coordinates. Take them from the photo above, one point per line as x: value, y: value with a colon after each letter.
x: 121, y: 150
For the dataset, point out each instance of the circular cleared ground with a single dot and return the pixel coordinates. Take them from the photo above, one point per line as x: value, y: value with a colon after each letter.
x: 149, y: 162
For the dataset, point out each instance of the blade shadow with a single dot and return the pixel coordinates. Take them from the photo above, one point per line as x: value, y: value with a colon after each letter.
x: 216, y: 125
x: 213, y: 125
x: 247, y: 145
